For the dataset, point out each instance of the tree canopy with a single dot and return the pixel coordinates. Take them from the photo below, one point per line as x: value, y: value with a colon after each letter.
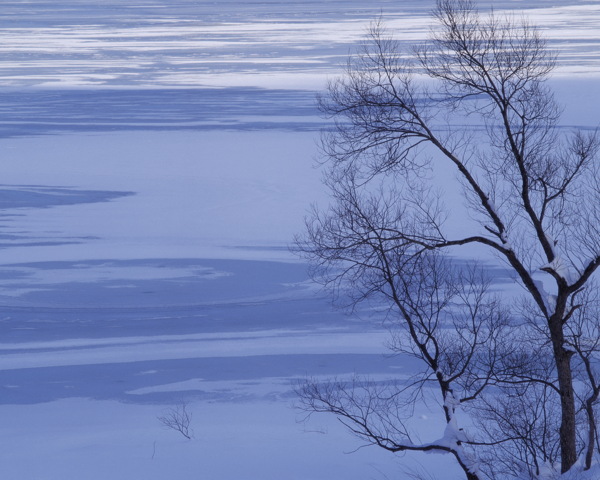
x: 474, y: 99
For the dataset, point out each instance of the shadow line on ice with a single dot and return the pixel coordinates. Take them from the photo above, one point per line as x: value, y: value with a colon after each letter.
x: 229, y: 379
x: 15, y: 199
x: 40, y: 112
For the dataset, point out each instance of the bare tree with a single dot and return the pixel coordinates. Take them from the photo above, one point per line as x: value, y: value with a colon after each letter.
x: 473, y: 99
x: 178, y: 418
x: 445, y: 317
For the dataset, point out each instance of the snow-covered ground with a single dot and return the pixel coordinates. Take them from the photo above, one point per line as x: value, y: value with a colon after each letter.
x: 157, y: 159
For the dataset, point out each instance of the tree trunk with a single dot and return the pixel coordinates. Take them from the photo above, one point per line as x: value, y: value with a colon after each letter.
x: 567, y: 403
x: 589, y: 408
x: 562, y: 357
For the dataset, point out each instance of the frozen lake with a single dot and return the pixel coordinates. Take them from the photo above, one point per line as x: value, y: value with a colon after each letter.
x: 158, y: 158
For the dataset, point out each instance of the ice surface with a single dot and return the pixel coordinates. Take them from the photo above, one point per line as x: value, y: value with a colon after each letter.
x: 182, y: 193
x: 157, y: 158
